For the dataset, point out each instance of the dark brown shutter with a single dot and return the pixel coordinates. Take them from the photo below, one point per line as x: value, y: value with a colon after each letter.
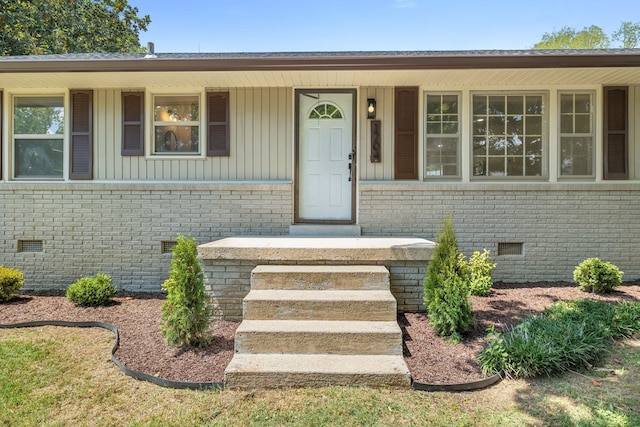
x: 1, y: 99
x: 81, y: 147
x: 406, y: 133
x: 616, y: 147
x: 132, y: 124
x: 218, y: 124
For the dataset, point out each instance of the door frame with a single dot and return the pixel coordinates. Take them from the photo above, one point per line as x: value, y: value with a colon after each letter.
x: 354, y: 168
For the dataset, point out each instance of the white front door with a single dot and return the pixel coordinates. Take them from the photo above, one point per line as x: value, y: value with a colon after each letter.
x: 326, y: 158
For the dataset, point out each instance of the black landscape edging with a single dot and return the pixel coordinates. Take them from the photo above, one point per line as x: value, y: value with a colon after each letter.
x: 163, y: 382
x: 471, y: 386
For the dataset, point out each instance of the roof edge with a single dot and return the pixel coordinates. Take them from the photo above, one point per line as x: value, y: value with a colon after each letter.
x: 322, y: 61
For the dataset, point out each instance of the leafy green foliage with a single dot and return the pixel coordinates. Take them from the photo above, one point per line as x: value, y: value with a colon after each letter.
x: 480, y: 268
x: 592, y: 37
x: 628, y: 34
x: 595, y: 275
x: 63, y: 26
x: 565, y: 336
x: 11, y: 280
x: 92, y: 291
x: 447, y: 287
x: 186, y: 312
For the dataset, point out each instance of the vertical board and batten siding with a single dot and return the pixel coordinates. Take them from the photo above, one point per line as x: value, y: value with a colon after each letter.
x: 384, y: 97
x: 261, y: 130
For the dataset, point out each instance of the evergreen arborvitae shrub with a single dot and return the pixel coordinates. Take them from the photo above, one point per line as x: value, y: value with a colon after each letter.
x: 447, y: 287
x: 595, y: 275
x: 186, y: 312
x: 11, y: 280
x: 92, y: 291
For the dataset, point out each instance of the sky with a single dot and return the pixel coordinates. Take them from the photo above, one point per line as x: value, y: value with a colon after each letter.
x: 371, y: 25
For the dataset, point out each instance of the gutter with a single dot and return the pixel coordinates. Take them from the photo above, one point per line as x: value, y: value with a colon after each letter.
x: 323, y: 61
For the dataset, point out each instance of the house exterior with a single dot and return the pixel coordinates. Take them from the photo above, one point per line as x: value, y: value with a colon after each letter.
x: 105, y: 158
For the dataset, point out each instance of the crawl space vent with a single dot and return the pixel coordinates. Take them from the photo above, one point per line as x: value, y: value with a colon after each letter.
x: 167, y: 245
x: 510, y: 248
x: 29, y: 245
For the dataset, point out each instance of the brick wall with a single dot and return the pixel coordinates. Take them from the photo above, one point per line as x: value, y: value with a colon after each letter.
x: 560, y: 225
x: 117, y: 228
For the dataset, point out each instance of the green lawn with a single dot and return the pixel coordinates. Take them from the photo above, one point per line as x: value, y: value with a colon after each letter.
x: 63, y: 376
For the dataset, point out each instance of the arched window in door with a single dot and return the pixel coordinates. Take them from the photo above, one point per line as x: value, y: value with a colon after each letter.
x: 326, y: 111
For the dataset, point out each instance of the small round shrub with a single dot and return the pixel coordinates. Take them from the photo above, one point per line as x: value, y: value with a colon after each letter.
x: 480, y: 267
x: 595, y: 275
x: 11, y: 280
x: 92, y: 291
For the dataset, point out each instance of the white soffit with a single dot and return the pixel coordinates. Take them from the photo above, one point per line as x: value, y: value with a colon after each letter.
x: 330, y: 78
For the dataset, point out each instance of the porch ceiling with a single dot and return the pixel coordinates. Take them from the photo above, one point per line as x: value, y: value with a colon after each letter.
x: 325, y: 78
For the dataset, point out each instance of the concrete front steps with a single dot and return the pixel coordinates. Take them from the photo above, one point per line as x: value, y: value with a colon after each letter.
x: 321, y: 325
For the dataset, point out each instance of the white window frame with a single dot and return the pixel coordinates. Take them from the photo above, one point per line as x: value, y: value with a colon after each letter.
x: 457, y: 135
x: 13, y: 136
x: 592, y: 134
x: 544, y: 175
x: 151, y: 95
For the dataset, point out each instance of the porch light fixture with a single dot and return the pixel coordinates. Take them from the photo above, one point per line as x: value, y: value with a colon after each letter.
x: 371, y: 108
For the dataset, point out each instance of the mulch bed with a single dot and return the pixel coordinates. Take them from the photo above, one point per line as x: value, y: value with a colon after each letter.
x: 430, y: 358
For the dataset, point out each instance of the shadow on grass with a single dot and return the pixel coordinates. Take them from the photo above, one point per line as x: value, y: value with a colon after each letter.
x: 600, y: 397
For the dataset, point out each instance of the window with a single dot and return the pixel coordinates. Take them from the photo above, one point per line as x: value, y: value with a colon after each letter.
x: 576, y: 134
x: 442, y: 135
x: 38, y: 136
x: 176, y: 125
x: 508, y: 134
x: 325, y: 111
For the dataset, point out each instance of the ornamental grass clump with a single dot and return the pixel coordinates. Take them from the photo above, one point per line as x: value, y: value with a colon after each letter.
x: 595, y: 275
x: 11, y: 280
x: 186, y: 312
x: 566, y: 336
x: 92, y: 291
x: 447, y: 287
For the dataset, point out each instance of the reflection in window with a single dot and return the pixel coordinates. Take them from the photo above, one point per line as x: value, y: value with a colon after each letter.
x: 176, y: 124
x: 325, y: 111
x: 508, y: 135
x: 38, y: 136
x: 576, y: 134
x: 442, y: 135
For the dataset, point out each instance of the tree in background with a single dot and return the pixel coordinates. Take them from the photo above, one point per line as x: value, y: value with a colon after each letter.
x: 628, y: 34
x: 592, y: 37
x: 69, y: 26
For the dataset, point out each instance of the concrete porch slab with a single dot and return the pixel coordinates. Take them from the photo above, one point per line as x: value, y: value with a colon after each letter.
x: 318, y: 249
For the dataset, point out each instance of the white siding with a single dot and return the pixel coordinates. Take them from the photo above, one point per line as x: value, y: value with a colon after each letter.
x: 384, y: 97
x: 261, y: 132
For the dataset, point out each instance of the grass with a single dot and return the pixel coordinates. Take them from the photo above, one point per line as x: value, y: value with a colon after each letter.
x: 63, y: 376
